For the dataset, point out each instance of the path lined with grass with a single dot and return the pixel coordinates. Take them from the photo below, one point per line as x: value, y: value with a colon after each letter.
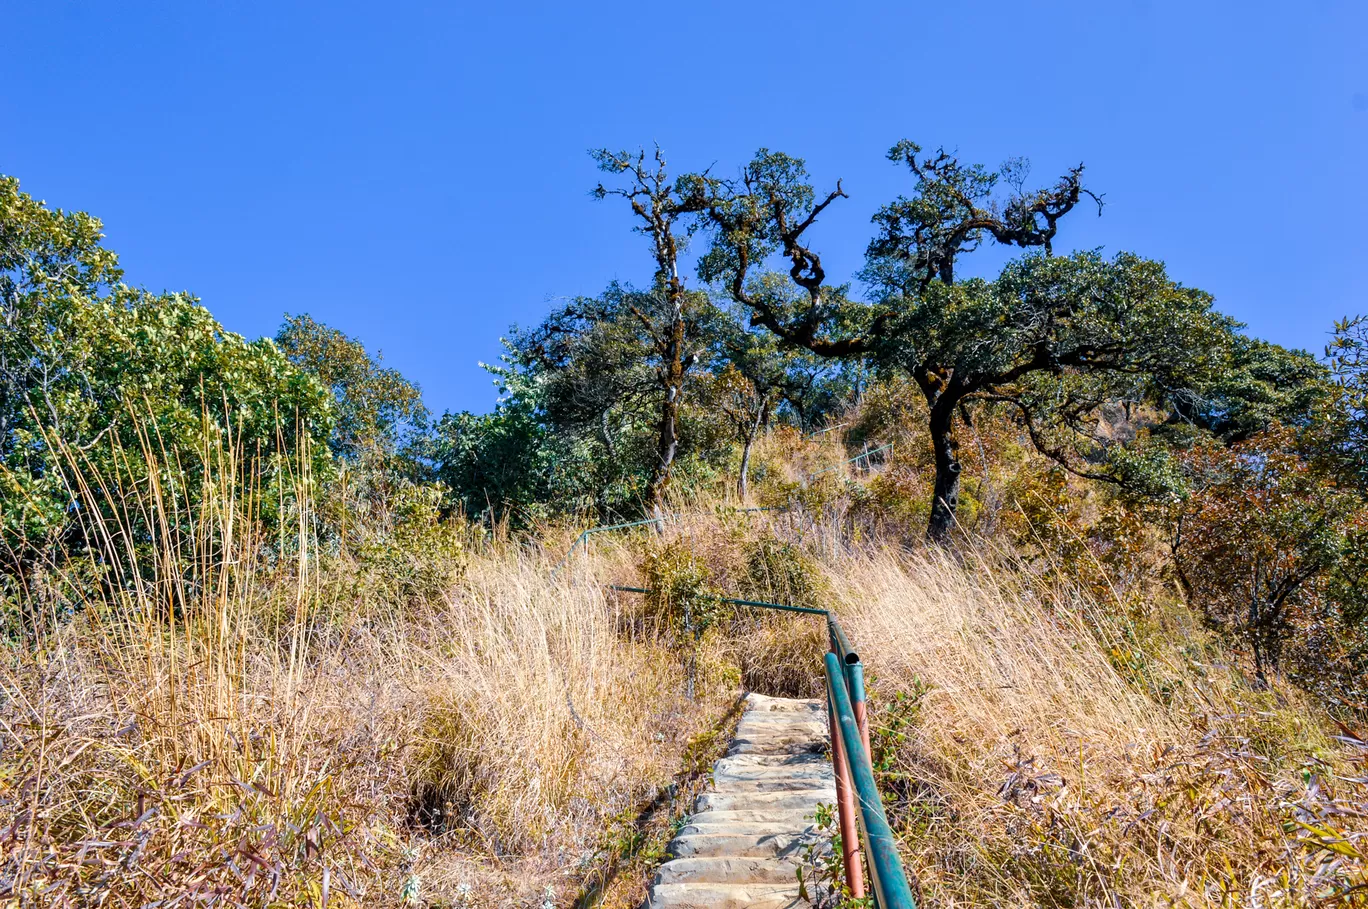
x: 751, y: 830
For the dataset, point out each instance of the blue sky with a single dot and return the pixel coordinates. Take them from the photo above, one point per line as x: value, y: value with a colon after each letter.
x: 416, y: 174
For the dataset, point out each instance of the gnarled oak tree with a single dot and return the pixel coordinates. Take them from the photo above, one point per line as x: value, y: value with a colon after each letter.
x: 1052, y: 337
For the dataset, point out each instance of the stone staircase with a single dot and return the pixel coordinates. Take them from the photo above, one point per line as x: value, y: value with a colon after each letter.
x: 750, y: 830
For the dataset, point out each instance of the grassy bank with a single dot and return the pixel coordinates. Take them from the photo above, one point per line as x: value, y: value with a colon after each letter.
x: 422, y: 715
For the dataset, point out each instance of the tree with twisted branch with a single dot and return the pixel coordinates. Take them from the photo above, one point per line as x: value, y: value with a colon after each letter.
x: 1052, y: 337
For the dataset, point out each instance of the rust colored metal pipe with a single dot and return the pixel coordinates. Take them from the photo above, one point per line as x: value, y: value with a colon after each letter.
x: 855, y: 677
x: 845, y: 802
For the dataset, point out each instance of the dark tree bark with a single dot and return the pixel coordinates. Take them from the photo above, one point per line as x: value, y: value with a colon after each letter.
x: 945, y: 498
x: 672, y: 379
x: 771, y: 207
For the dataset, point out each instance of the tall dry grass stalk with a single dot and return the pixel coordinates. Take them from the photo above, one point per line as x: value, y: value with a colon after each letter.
x: 1047, y: 751
x: 245, y: 710
x: 228, y: 720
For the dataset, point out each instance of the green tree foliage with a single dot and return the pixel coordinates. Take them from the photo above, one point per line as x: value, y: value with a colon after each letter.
x: 1051, y: 338
x: 1347, y: 415
x: 497, y: 465
x: 377, y: 411
x: 753, y: 379
x: 594, y: 368
x: 597, y: 370
x: 1258, y: 384
x: 512, y: 466
x: 94, y: 373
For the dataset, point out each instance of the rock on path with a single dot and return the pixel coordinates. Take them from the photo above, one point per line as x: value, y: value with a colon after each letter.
x: 750, y: 830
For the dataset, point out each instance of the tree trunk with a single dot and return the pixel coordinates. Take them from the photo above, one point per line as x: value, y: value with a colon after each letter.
x: 946, y: 495
x: 742, y: 484
x: 743, y: 481
x: 672, y: 378
x: 667, y: 443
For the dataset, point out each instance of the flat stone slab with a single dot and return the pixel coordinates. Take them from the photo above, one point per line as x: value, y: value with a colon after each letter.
x: 757, y: 704
x: 762, y: 759
x: 745, y: 828
x: 743, y: 845
x: 725, y: 896
x: 728, y: 870
x: 788, y: 818
x: 724, y: 770
x: 806, y: 799
x: 728, y: 842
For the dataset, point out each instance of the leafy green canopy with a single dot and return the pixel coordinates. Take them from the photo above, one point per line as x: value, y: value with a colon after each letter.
x: 376, y: 410
x: 1052, y: 338
x: 1347, y: 414
x: 93, y: 373
x: 511, y: 466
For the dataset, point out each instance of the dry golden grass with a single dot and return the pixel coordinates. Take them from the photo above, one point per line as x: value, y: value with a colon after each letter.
x: 228, y: 726
x: 1052, y: 754
x: 269, y: 719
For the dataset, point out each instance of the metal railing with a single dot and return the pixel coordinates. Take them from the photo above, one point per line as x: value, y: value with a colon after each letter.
x: 859, y: 808
x: 862, y: 456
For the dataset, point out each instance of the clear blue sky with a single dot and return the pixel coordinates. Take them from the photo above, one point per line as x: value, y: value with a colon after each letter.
x: 416, y: 174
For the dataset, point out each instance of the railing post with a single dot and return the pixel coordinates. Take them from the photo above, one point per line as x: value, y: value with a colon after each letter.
x: 887, y: 875
x: 855, y: 683
x: 845, y: 803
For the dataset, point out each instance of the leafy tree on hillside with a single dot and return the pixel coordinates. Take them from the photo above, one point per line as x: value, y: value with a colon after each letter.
x: 747, y: 408
x: 1257, y: 533
x: 376, y: 410
x: 1347, y: 353
x: 817, y: 390
x: 597, y: 369
x: 497, y: 465
x: 94, y: 373
x: 1259, y: 384
x: 663, y: 209
x: 1051, y: 338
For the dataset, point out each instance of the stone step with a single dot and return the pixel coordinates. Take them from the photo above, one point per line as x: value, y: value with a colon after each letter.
x: 727, y: 771
x: 725, y: 896
x: 780, y: 740
x: 729, y: 870
x: 726, y: 843
x: 779, y: 784
x: 763, y: 759
x: 806, y: 799
x: 775, y: 724
x: 798, y: 718
x: 782, y: 818
x: 747, y: 828
x: 760, y: 707
x: 795, y: 745
x: 751, y: 830
x: 756, y: 701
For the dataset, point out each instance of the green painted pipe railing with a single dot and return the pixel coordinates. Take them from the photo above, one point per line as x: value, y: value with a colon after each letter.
x: 891, y: 887
x: 756, y: 603
x: 846, y: 707
x: 859, y: 457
